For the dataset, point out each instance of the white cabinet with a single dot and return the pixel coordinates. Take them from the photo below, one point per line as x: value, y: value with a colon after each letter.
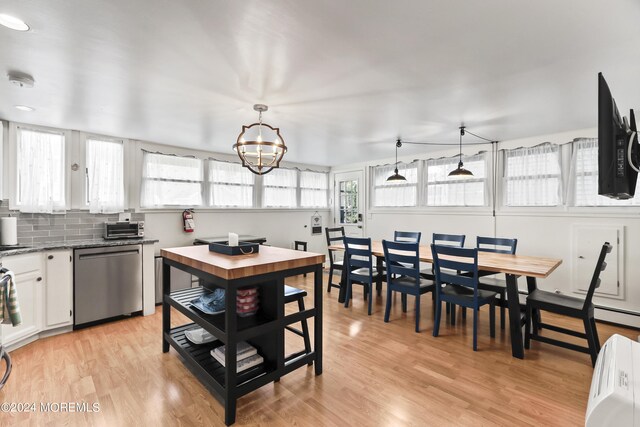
x: 59, y: 288
x: 29, y: 285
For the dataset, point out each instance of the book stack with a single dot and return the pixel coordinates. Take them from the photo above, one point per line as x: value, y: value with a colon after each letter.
x: 247, y: 303
x: 247, y: 356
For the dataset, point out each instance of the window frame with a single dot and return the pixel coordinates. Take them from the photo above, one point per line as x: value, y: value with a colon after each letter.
x: 208, y: 201
x: 373, y: 187
x: 142, y: 151
x: 300, y: 188
x: 503, y: 179
x: 13, y: 161
x: 487, y: 183
x: 263, y: 187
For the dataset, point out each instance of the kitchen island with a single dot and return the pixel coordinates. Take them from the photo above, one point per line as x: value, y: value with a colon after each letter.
x: 265, y: 330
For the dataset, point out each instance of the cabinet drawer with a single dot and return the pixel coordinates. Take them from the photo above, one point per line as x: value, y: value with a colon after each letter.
x: 23, y: 263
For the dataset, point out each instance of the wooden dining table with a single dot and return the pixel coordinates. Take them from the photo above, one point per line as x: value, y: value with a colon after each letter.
x: 513, y: 266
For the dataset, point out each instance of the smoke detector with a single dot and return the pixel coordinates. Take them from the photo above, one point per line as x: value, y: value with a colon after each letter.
x: 21, y: 79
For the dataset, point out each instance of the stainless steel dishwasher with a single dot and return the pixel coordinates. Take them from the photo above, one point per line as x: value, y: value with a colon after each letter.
x: 107, y: 282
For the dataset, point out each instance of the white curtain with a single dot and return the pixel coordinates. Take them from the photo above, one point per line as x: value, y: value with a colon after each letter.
x: 279, y: 188
x: 395, y: 193
x: 445, y: 190
x: 41, y: 171
x: 230, y: 185
x: 314, y: 188
x: 169, y: 180
x: 105, y: 176
x: 532, y: 176
x: 583, y: 185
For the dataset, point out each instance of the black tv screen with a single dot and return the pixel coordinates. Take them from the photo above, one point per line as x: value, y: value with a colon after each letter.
x: 616, y: 179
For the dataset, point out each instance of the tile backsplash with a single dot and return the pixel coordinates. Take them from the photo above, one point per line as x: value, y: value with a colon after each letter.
x: 71, y: 226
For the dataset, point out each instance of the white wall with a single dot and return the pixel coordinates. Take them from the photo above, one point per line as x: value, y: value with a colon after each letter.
x: 280, y: 227
x: 540, y: 231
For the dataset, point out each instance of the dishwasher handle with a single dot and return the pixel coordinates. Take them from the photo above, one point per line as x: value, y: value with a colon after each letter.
x: 109, y: 254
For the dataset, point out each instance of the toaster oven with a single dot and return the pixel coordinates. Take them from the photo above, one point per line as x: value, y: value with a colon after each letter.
x: 123, y: 230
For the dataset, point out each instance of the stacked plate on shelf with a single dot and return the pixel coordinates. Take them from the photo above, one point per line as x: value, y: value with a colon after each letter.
x: 247, y: 302
x: 246, y: 356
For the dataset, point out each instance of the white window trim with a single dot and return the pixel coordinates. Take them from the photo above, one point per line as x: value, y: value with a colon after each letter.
x: 488, y: 193
x: 79, y: 182
x: 207, y: 187
x: 562, y: 176
x: 420, y: 196
x: 13, y: 160
x: 299, y: 190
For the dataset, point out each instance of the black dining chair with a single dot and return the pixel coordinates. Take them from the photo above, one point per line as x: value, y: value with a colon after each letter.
x: 456, y: 240
x: 407, y: 236
x: 496, y: 284
x: 568, y: 306
x: 359, y: 264
x: 403, y: 275
x: 457, y: 284
x: 334, y: 235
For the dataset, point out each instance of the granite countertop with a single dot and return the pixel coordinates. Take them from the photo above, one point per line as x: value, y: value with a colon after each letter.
x: 94, y: 243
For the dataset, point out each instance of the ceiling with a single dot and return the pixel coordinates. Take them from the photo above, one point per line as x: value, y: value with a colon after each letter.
x: 342, y: 79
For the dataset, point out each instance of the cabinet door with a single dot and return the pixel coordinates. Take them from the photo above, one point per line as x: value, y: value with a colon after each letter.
x: 59, y: 288
x: 29, y: 289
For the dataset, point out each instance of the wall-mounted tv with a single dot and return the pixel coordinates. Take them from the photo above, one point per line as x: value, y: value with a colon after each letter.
x: 617, y: 147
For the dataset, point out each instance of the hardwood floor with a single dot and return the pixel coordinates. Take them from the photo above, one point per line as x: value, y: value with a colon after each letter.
x: 374, y: 374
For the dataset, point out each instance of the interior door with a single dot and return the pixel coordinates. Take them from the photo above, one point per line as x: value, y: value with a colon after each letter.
x: 349, y: 203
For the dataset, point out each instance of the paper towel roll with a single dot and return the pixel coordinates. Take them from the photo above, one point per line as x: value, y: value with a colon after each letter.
x: 9, y: 230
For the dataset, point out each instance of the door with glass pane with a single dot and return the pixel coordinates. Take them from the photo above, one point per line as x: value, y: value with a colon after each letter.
x: 349, y: 203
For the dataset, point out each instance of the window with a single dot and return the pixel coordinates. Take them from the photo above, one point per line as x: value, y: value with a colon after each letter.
x: 170, y: 181
x: 395, y: 193
x: 532, y: 176
x: 40, y: 164
x: 584, y: 176
x: 443, y: 190
x: 230, y: 185
x: 314, y: 188
x: 279, y: 188
x: 104, y: 176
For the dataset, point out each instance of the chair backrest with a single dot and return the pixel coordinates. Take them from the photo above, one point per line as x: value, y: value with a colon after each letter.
x: 461, y: 270
x: 407, y: 236
x: 595, y: 280
x: 402, y: 259
x: 334, y: 235
x: 357, y: 254
x: 456, y: 240
x: 497, y: 244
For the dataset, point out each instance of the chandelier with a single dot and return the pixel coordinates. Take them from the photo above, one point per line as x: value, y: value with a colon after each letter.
x: 260, y: 146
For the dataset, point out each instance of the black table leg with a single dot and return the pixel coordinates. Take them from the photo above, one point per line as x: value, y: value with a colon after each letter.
x: 379, y: 269
x: 532, y: 285
x: 515, y: 327
x: 230, y: 356
x: 166, y: 308
x: 343, y: 285
x: 317, y: 321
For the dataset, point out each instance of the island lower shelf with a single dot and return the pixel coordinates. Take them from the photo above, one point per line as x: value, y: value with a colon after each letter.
x: 209, y: 370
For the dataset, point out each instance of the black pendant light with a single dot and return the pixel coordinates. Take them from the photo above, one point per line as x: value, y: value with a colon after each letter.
x: 460, y: 170
x: 396, y: 176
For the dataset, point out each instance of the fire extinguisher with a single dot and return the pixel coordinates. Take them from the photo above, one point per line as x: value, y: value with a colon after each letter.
x: 187, y: 220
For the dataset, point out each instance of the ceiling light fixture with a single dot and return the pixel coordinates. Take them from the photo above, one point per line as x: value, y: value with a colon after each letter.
x: 396, y: 176
x: 13, y: 23
x: 24, y: 108
x: 260, y: 146
x: 460, y: 170
x: 20, y: 79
